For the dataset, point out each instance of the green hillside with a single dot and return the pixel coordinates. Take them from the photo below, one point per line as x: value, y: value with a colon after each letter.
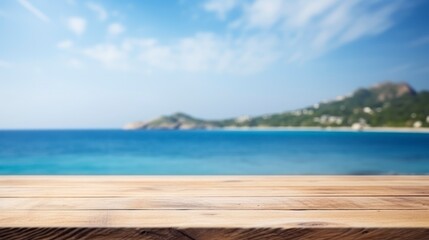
x: 384, y: 105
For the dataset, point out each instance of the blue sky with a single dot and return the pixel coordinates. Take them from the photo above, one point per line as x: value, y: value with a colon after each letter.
x: 101, y: 64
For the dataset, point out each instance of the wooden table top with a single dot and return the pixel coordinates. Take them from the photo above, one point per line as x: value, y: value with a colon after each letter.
x: 215, y: 207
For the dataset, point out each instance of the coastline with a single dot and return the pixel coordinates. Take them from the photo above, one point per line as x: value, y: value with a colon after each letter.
x: 298, y: 129
x: 327, y: 129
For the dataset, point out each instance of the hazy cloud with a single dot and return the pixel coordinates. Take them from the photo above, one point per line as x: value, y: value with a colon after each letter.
x: 201, y: 52
x: 66, y: 44
x: 263, y: 13
x: 108, y: 54
x: 400, y: 68
x: 115, y: 29
x: 260, y: 33
x: 220, y: 7
x: 420, y: 41
x: 77, y: 25
x: 99, y: 10
x: 310, y: 28
x: 35, y: 11
x: 71, y: 2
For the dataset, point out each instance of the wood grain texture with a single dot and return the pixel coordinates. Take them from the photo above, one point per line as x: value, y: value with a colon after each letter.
x: 214, y: 207
x: 171, y: 190
x: 217, y: 203
x: 212, y: 233
x: 210, y: 181
x: 216, y: 218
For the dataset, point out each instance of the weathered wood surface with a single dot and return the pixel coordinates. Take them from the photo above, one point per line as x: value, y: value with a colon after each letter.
x: 214, y: 207
x: 213, y: 233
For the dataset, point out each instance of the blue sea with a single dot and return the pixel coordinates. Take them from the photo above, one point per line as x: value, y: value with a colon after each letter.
x: 212, y: 152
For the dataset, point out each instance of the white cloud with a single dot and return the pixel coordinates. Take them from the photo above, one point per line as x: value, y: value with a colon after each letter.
x: 261, y: 33
x: 264, y: 13
x: 332, y: 25
x: 99, y: 10
x: 201, y: 52
x: 310, y: 28
x: 108, y: 54
x: 35, y: 11
x: 220, y: 7
x: 306, y: 12
x: 66, y: 44
x: 77, y: 25
x: 115, y: 29
x: 371, y: 23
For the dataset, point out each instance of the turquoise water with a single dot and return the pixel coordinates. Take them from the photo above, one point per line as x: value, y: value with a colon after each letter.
x: 212, y: 152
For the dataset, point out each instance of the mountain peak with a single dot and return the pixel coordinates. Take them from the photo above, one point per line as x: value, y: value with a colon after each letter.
x: 181, y: 115
x: 390, y: 90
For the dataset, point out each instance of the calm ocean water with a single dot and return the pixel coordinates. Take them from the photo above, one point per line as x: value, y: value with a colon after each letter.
x: 212, y: 152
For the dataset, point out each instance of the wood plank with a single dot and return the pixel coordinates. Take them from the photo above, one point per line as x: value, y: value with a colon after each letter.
x: 216, y: 218
x: 214, y: 207
x: 173, y: 190
x: 218, y: 203
x: 212, y: 234
x: 228, y: 181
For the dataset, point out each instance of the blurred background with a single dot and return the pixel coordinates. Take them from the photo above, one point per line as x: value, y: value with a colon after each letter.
x: 101, y: 64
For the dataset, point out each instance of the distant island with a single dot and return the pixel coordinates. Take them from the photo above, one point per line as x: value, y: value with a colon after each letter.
x: 386, y: 105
